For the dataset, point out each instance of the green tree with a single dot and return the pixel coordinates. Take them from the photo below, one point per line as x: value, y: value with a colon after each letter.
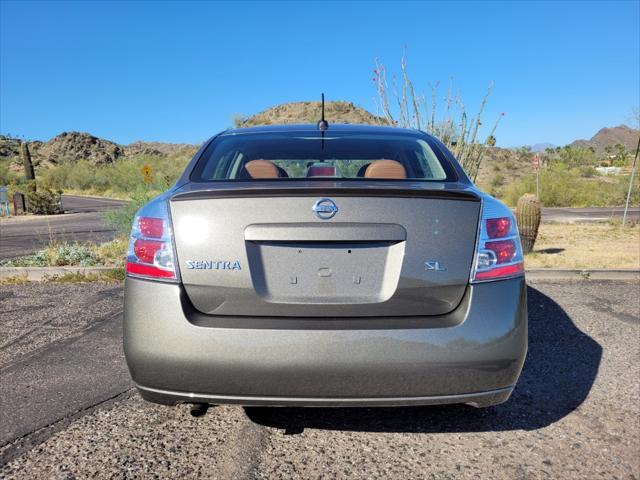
x: 621, y: 155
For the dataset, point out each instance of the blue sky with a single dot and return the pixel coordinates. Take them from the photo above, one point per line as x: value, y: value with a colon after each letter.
x: 177, y: 72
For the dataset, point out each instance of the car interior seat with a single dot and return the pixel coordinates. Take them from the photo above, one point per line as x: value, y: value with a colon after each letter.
x: 389, y: 169
x: 259, y: 169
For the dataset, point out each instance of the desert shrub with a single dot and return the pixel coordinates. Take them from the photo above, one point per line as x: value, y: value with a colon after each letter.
x: 497, y: 180
x: 58, y: 255
x: 113, y: 252
x: 72, y: 254
x: 564, y: 187
x: 6, y: 175
x: 576, y: 157
x: 43, y: 201
x: 587, y: 171
x: 119, y: 178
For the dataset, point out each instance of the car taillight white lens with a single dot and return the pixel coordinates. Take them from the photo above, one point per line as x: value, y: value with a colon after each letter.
x: 151, y: 253
x: 498, y: 253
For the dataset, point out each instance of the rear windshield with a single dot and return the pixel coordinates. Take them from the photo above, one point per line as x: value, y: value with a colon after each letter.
x: 297, y: 155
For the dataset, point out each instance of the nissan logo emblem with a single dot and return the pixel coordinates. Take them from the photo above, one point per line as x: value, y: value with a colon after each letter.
x: 325, y: 208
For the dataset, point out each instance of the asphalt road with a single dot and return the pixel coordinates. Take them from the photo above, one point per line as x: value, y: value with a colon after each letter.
x: 84, y: 221
x: 67, y: 409
x: 592, y: 214
x: 78, y: 204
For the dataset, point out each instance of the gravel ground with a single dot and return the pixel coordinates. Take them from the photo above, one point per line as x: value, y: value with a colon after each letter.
x: 574, y: 414
x: 35, y: 315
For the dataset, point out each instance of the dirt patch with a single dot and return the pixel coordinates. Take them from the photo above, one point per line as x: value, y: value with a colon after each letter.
x: 586, y: 246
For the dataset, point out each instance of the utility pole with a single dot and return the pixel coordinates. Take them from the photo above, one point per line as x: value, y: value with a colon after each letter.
x: 633, y: 171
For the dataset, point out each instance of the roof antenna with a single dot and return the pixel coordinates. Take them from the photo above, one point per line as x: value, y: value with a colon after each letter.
x: 323, y: 124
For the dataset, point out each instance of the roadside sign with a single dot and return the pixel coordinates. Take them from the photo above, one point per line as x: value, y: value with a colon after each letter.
x: 4, y: 202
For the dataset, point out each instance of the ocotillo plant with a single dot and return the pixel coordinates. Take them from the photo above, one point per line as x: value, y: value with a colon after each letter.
x: 29, y: 171
x: 411, y: 110
x: 528, y: 214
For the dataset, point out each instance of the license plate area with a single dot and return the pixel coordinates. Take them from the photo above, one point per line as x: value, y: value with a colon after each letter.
x: 325, y: 272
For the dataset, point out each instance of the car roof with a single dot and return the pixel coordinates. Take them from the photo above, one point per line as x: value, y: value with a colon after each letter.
x: 333, y: 127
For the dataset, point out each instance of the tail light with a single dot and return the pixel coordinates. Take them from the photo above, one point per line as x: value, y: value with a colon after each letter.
x: 151, y: 253
x: 498, y: 253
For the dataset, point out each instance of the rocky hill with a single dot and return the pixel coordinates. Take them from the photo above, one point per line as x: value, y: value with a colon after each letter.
x: 605, y: 137
x: 159, y: 148
x: 503, y: 165
x: 309, y: 112
x: 69, y: 147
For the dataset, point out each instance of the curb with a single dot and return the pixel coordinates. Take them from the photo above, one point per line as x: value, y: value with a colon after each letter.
x: 582, y: 274
x: 37, y: 274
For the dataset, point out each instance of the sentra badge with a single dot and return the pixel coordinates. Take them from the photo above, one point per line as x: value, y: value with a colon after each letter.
x: 213, y: 265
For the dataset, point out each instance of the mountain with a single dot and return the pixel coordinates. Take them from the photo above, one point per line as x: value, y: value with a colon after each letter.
x: 609, y: 137
x: 541, y: 147
x: 159, y: 148
x: 309, y: 112
x: 503, y: 165
x: 69, y: 147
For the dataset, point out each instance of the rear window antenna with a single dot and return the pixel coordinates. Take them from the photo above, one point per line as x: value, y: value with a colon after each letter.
x: 322, y: 124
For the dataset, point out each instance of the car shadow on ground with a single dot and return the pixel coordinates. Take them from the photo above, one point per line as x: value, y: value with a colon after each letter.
x: 561, y: 366
x: 550, y: 251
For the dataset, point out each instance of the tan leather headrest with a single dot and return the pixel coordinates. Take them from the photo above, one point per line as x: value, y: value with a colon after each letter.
x: 261, y: 169
x: 385, y: 169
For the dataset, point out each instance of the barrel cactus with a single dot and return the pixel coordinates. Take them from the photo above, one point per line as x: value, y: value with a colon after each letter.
x: 528, y: 214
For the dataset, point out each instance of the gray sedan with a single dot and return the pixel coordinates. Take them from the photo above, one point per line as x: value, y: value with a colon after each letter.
x: 339, y: 266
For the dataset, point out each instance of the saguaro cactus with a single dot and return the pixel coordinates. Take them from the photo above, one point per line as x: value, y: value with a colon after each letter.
x: 528, y: 214
x: 29, y: 171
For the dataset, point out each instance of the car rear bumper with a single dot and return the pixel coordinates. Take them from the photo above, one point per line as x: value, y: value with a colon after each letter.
x: 480, y: 399
x: 472, y: 355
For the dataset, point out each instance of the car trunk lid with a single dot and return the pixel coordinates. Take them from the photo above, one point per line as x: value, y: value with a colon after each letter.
x: 261, y: 250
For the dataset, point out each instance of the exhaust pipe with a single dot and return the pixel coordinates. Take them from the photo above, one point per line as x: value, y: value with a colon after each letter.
x: 199, y: 409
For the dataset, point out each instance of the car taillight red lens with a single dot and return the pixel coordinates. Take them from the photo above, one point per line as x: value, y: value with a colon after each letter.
x: 500, y: 272
x: 151, y: 227
x: 146, y: 250
x: 151, y: 254
x: 498, y: 227
x: 504, y: 250
x: 498, y: 253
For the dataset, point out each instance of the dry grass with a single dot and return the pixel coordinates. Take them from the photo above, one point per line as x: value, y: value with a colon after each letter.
x: 586, y: 246
x: 113, y: 275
